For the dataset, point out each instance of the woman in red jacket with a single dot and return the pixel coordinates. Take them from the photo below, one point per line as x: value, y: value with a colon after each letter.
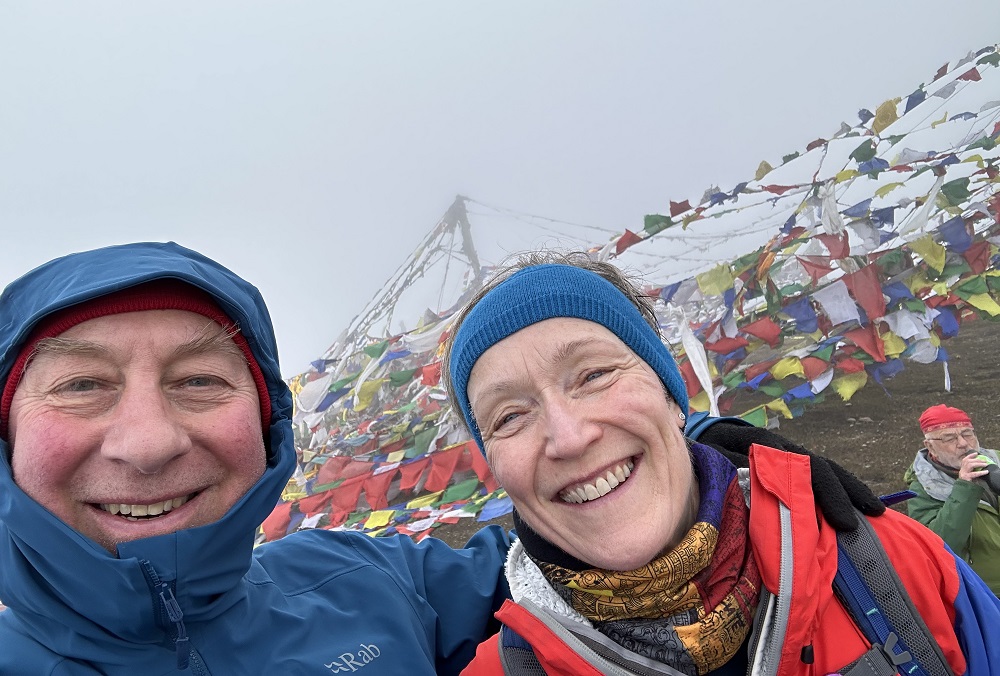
x: 638, y: 551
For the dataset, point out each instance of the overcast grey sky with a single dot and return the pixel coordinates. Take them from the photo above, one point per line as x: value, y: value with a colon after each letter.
x: 311, y: 145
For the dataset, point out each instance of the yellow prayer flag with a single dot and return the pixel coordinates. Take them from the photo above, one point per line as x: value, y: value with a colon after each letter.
x: 916, y: 281
x: 700, y: 402
x: 716, y: 281
x: 395, y: 456
x: 932, y: 252
x: 935, y: 339
x: 978, y: 159
x: 789, y: 366
x: 763, y: 169
x: 779, y: 406
x: 374, y: 533
x: 424, y: 500
x: 307, y: 455
x: 849, y: 383
x: 367, y: 392
x: 885, y: 115
x: 845, y: 175
x: 379, y: 519
x: 894, y: 345
x: 944, y: 118
x: 886, y: 189
x: 983, y: 301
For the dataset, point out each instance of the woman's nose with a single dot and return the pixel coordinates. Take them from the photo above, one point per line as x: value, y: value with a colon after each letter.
x: 569, y: 429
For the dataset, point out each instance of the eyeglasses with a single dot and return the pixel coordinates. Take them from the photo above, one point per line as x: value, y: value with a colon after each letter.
x: 968, y: 435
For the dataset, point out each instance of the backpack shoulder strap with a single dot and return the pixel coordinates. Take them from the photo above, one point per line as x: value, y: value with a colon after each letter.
x: 517, y: 657
x: 878, y: 602
x: 699, y: 421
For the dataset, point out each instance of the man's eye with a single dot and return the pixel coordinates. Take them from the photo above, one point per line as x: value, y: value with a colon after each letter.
x: 201, y: 381
x: 81, y: 385
x: 594, y: 375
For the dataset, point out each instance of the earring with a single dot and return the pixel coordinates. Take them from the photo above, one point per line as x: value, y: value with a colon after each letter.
x: 681, y: 415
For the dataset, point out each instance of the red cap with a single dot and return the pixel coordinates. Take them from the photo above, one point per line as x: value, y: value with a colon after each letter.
x: 163, y: 294
x: 941, y: 416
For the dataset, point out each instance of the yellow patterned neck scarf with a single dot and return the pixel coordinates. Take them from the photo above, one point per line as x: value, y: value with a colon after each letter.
x: 692, y: 607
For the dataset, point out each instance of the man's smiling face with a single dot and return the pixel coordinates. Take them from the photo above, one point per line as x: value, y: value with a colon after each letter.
x: 137, y: 424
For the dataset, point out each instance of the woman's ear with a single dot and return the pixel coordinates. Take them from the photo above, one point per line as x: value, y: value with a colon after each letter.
x: 677, y: 415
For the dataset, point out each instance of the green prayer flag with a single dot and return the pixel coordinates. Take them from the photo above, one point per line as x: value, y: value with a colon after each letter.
x: 863, y: 152
x: 756, y: 417
x: 397, y: 378
x: 957, y: 191
x: 654, y: 223
x: 772, y: 389
x: 461, y: 491
x: 992, y: 59
x: 826, y: 354
x: 377, y: 350
x: 422, y: 440
x: 344, y: 381
x: 789, y: 157
x: 971, y: 287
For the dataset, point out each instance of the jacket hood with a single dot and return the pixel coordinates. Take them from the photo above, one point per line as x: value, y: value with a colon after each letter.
x: 72, y: 594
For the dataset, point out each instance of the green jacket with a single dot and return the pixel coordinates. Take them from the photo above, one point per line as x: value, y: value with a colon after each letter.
x: 953, y: 509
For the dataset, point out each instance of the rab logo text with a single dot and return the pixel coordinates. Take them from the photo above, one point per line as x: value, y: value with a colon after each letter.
x: 350, y: 662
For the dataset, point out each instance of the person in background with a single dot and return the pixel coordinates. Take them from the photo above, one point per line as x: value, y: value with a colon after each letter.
x: 956, y: 491
x: 643, y: 552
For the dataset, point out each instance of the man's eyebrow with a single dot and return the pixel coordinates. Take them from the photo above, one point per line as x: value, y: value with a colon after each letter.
x: 211, y: 338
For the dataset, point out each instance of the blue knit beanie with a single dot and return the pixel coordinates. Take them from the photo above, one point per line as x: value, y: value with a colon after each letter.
x: 541, y: 292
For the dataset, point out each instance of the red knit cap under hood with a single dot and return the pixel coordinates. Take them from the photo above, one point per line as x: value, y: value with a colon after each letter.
x: 165, y: 294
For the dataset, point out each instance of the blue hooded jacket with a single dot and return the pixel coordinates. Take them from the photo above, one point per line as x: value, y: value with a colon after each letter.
x: 203, y: 600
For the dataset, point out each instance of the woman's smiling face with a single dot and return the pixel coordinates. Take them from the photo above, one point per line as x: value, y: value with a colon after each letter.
x: 581, y: 434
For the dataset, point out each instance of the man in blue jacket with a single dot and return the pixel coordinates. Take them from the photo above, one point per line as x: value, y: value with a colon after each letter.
x: 144, y: 435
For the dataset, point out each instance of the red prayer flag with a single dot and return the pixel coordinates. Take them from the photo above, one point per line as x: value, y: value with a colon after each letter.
x: 275, y: 526
x: 978, y: 256
x: 765, y: 329
x: 690, y: 379
x: 375, y: 488
x: 410, y: 473
x: 971, y: 75
x: 677, y: 208
x: 778, y: 189
x: 331, y: 469
x: 431, y: 373
x: 815, y: 266
x: 315, y: 504
x: 850, y: 365
x: 480, y: 467
x: 813, y: 367
x: 867, y: 339
x: 626, y: 240
x: 837, y: 244
x: 442, y: 467
x: 727, y: 345
x: 756, y: 369
x: 344, y: 498
x: 865, y: 287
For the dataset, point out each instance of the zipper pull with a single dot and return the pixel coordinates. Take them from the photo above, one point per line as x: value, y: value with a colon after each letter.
x: 176, y: 615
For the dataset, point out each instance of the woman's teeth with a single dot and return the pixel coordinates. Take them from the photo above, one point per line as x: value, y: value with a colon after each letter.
x: 133, y: 511
x: 601, y: 487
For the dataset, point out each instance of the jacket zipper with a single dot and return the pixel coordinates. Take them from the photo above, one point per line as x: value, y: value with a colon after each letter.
x: 166, y: 602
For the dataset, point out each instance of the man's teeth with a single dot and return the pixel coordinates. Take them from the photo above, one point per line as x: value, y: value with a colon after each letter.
x: 602, y: 486
x: 154, y: 509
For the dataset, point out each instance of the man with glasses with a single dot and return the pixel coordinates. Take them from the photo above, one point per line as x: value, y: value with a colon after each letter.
x: 956, y: 497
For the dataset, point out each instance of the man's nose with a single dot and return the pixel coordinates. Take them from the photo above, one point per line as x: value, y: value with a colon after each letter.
x: 569, y: 429
x: 145, y: 432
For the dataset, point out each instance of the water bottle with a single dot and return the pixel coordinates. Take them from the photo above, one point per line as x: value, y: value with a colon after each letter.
x: 993, y: 478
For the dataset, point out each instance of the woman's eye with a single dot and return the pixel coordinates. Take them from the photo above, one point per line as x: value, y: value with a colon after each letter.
x: 503, y: 420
